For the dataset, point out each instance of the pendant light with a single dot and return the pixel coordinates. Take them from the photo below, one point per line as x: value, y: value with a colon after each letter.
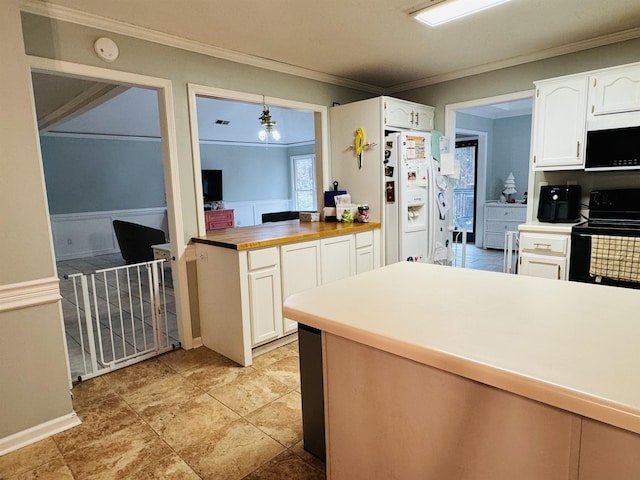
x: 268, y: 125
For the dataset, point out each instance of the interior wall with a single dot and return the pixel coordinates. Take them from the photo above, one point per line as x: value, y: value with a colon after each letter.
x: 249, y: 173
x: 511, y: 150
x: 96, y: 175
x: 60, y: 40
x: 32, y: 359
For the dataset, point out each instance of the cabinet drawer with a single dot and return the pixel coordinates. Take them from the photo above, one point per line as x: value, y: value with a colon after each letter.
x: 506, y: 213
x: 263, y: 258
x: 495, y: 226
x: 542, y: 244
x: 364, y: 239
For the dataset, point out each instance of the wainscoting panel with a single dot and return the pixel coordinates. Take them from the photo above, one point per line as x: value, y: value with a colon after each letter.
x: 250, y: 213
x: 87, y: 234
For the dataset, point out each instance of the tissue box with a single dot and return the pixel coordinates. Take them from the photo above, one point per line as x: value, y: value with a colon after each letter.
x: 309, y: 217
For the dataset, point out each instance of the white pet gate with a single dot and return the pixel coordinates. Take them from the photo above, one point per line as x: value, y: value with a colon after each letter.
x: 121, y: 318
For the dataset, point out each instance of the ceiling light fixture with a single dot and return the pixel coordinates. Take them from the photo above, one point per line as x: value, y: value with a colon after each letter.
x: 449, y: 10
x: 267, y: 123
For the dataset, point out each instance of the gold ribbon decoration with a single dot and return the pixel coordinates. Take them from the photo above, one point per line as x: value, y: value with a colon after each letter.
x: 359, y: 144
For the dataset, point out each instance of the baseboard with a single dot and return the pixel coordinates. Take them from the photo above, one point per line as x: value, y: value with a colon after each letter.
x: 197, y: 342
x: 37, y: 433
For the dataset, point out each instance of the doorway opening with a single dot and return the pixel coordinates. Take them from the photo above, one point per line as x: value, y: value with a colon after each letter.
x: 500, y: 126
x: 464, y: 187
x: 259, y: 176
x: 88, y: 179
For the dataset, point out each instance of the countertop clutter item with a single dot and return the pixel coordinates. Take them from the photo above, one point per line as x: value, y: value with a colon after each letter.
x: 559, y: 203
x: 344, y: 204
x: 309, y: 216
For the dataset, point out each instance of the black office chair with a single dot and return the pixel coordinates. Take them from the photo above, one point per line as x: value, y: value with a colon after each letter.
x: 135, y: 241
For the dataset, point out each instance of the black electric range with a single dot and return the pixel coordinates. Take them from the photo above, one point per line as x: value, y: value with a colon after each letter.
x: 612, y: 213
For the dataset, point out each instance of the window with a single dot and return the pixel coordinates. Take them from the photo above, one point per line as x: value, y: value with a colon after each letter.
x: 304, y: 182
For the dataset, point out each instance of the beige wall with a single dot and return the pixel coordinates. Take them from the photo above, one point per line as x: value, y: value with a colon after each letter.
x: 32, y: 359
x: 74, y: 43
x: 33, y: 370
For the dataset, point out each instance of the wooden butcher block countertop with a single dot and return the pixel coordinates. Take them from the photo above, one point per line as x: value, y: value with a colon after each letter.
x: 278, y: 233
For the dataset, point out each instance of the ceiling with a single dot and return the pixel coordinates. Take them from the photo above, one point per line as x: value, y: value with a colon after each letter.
x: 374, y: 43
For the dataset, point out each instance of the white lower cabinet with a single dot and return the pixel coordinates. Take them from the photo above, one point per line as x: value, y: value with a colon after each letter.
x: 543, y: 266
x: 337, y: 258
x: 265, y: 297
x: 300, y: 271
x: 544, y: 255
x: 365, y: 254
x: 266, y: 305
x: 241, y: 292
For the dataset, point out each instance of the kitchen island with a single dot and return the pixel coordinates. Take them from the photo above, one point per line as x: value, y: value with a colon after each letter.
x: 433, y: 372
x: 245, y: 273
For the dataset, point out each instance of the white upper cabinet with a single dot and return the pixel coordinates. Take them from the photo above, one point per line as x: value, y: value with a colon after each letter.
x: 408, y: 115
x: 616, y: 90
x: 560, y: 124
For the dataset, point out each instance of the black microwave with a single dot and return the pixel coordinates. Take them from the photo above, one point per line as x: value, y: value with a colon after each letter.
x: 613, y: 149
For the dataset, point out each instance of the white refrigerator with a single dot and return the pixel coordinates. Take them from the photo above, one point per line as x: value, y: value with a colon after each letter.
x: 416, y: 201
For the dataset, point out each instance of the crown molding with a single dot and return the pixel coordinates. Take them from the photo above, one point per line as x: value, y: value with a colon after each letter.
x: 520, y: 60
x: 66, y: 14
x: 57, y: 12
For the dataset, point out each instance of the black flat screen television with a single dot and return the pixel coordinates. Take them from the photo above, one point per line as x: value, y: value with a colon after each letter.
x: 212, y: 185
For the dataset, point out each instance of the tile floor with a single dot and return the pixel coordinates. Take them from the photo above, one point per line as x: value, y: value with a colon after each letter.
x: 183, y: 415
x: 479, y: 258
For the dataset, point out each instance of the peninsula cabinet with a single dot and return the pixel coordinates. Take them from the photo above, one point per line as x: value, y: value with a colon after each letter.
x: 265, y: 296
x: 242, y: 286
x: 300, y: 271
x: 560, y: 123
x: 338, y: 258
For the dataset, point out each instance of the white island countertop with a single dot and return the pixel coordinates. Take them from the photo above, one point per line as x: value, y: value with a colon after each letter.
x: 570, y: 345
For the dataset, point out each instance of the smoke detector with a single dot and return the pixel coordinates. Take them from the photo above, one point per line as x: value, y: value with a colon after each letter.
x: 106, y: 49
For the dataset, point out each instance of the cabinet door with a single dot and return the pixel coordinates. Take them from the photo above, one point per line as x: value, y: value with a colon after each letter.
x: 364, y: 259
x: 560, y: 124
x: 398, y: 113
x: 337, y: 258
x: 300, y: 271
x: 423, y: 118
x: 615, y: 91
x: 265, y: 302
x: 542, y: 266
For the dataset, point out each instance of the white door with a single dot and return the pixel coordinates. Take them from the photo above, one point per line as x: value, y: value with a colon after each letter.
x: 300, y: 263
x: 265, y: 302
x: 337, y: 258
x: 543, y: 267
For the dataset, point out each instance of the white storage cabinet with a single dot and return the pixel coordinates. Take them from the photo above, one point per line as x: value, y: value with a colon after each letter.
x: 615, y: 90
x: 559, y: 127
x: 500, y: 218
x: 408, y: 115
